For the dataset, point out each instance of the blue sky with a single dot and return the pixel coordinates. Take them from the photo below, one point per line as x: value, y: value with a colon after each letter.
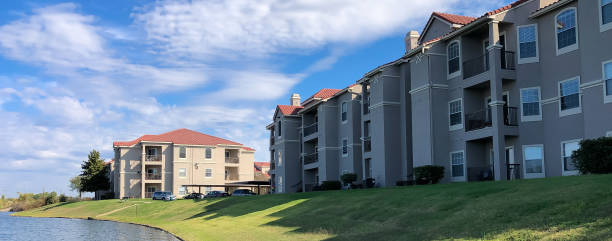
x: 75, y: 76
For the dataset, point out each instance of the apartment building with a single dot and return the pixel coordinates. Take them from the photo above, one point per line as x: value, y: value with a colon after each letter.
x: 505, y: 95
x: 319, y: 139
x: 171, y: 161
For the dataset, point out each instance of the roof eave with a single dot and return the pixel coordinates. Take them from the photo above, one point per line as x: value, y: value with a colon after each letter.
x: 549, y: 8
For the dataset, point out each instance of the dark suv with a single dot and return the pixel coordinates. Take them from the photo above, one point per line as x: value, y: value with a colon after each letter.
x: 243, y: 192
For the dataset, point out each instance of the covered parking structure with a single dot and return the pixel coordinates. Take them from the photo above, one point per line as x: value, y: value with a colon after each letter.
x: 259, y: 187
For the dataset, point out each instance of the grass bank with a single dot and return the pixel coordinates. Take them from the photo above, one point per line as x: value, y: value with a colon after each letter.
x: 566, y: 208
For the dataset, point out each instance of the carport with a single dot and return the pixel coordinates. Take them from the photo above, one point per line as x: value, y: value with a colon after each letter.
x: 258, y: 187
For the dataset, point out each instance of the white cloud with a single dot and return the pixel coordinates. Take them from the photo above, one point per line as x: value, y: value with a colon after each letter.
x: 256, y: 85
x: 231, y: 29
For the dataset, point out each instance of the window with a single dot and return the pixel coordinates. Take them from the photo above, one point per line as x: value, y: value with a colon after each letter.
x: 182, y: 190
x: 344, y: 111
x: 567, y: 148
x: 534, y: 161
x: 605, y: 15
x: 208, y: 153
x: 208, y: 173
x: 279, y: 128
x: 152, y: 151
x: 280, y: 184
x: 609, y: 134
x: 530, y: 104
x: 454, y: 59
x: 279, y: 159
x: 366, y: 129
x: 566, y: 29
x: 607, y: 78
x: 569, y: 97
x: 455, y: 114
x: 182, y: 172
x: 344, y: 147
x: 150, y: 189
x: 182, y: 152
x: 457, y: 166
x: 528, y: 44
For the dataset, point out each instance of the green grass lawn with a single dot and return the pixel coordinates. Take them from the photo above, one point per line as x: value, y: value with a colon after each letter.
x: 566, y: 208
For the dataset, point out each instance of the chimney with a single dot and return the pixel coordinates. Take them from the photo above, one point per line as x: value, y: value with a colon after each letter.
x: 295, y: 100
x: 411, y: 40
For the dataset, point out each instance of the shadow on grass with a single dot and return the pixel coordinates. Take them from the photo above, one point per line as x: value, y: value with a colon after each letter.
x: 559, y: 208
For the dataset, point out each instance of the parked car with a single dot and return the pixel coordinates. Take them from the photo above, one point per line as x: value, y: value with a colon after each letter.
x: 163, y: 196
x: 194, y: 195
x: 216, y: 194
x: 243, y: 192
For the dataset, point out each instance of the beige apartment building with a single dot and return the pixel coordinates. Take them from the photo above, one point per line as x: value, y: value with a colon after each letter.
x: 174, y: 160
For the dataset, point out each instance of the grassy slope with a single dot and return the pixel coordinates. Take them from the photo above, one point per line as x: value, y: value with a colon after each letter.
x: 568, y: 208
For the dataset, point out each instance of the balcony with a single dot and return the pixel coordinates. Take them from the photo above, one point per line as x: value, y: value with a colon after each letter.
x: 482, y: 118
x: 311, y: 158
x: 153, y: 176
x: 366, y: 105
x: 272, y: 166
x: 367, y: 144
x: 232, y: 159
x: 311, y: 129
x: 149, y: 194
x: 153, y: 158
x: 480, y: 64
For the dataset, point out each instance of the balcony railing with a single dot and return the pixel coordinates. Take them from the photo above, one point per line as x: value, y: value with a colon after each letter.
x: 367, y: 144
x: 150, y: 176
x: 231, y: 177
x: 514, y: 171
x: 476, y: 66
x: 272, y: 141
x: 153, y: 158
x: 311, y: 158
x: 311, y: 129
x: 232, y: 159
x: 272, y: 165
x: 480, y: 64
x: 482, y: 118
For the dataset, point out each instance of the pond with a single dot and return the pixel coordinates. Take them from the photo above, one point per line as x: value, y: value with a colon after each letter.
x: 24, y: 228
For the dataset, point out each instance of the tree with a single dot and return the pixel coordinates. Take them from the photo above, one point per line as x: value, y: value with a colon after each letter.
x: 95, y: 174
x: 75, y: 185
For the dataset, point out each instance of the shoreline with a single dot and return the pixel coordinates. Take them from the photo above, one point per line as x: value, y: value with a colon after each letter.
x: 6, y: 210
x: 108, y: 220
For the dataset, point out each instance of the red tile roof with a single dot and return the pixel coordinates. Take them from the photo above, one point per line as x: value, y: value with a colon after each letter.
x: 262, y: 164
x: 247, y: 148
x: 322, y: 94
x: 453, y: 18
x: 180, y: 136
x: 289, y: 109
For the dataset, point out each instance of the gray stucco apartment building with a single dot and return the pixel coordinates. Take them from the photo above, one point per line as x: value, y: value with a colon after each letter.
x: 507, y: 95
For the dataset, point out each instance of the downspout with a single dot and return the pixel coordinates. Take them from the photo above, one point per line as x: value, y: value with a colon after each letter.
x: 431, y: 124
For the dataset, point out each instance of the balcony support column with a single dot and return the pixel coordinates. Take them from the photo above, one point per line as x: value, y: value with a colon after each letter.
x: 163, y: 169
x: 497, y: 103
x: 143, y: 172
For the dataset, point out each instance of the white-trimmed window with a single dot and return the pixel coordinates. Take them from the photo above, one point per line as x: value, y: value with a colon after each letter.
x: 607, y: 79
x: 344, y: 111
x: 208, y: 173
x: 457, y: 159
x: 567, y: 148
x: 609, y: 134
x: 182, y: 172
x: 605, y: 15
x: 533, y: 156
x: 344, y: 147
x: 279, y: 184
x: 208, y: 153
x: 279, y: 128
x: 566, y: 29
x: 182, y: 190
x: 531, y: 105
x: 455, y: 114
x: 528, y: 44
x: 182, y: 152
x: 453, y: 52
x: 569, y: 96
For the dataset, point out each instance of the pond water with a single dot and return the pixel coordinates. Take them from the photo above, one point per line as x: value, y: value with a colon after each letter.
x: 24, y: 228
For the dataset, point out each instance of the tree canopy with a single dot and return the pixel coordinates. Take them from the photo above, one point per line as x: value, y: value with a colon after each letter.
x: 94, y: 176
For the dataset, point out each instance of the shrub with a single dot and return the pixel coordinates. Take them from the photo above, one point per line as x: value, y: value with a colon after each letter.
x: 331, y: 185
x: 348, y: 178
x: 428, y: 174
x: 594, y: 156
x: 370, y: 182
x: 107, y: 195
x: 404, y: 183
x: 63, y: 198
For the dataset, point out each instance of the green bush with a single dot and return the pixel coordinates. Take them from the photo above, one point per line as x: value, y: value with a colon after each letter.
x: 348, y: 178
x: 428, y: 174
x: 594, y: 156
x: 331, y: 185
x: 63, y: 198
